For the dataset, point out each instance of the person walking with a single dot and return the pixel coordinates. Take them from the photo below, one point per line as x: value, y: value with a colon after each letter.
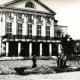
x: 34, y: 62
x: 64, y: 61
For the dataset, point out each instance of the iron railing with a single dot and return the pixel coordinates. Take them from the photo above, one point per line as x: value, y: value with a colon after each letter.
x: 30, y: 37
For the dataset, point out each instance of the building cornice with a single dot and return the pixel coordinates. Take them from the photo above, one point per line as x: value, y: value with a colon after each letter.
x: 13, y: 9
x: 60, y: 26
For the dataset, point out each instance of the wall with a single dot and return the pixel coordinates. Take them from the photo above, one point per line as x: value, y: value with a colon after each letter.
x: 62, y: 29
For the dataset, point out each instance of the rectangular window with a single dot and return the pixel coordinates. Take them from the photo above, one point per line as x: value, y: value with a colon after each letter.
x: 29, y: 29
x: 9, y: 28
x: 38, y: 30
x: 48, y: 31
x: 19, y: 29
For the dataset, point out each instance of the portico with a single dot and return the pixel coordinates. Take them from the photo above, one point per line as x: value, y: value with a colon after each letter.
x: 30, y: 49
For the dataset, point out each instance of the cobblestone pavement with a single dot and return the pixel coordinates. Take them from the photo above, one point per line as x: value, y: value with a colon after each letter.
x: 59, y: 76
x: 19, y: 63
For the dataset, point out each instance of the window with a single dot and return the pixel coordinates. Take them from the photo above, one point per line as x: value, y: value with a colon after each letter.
x: 39, y: 18
x: 38, y: 30
x: 29, y: 29
x: 30, y: 5
x: 19, y: 15
x: 19, y: 30
x: 9, y: 28
x: 48, y: 31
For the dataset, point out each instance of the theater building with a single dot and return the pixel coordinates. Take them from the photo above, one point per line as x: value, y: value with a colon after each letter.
x: 27, y: 28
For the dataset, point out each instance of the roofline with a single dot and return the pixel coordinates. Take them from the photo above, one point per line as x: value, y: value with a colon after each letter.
x: 45, y: 7
x: 55, y: 20
x: 14, y: 1
x: 11, y: 2
x: 60, y: 26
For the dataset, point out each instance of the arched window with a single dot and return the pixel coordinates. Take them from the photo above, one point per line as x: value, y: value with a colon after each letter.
x: 30, y: 5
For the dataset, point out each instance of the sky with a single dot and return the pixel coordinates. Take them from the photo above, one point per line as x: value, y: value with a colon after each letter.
x: 67, y: 13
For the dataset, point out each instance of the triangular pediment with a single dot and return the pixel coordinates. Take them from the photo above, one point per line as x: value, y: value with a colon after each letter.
x: 38, y: 6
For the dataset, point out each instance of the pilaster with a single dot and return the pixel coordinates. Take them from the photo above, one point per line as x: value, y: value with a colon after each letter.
x: 52, y: 28
x: 44, y: 27
x: 14, y: 25
x: 34, y: 26
x: 25, y: 24
x: 3, y: 23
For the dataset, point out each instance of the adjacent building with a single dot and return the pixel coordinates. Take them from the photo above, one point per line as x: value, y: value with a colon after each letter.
x: 27, y: 28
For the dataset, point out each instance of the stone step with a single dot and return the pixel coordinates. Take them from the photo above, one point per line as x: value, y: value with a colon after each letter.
x: 28, y: 58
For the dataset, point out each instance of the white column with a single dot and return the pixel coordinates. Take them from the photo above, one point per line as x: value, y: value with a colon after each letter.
x: 59, y: 49
x: 40, y: 49
x: 30, y: 49
x: 19, y: 49
x: 50, y: 49
x: 7, y: 48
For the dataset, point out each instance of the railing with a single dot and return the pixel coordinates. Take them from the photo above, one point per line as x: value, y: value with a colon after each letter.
x: 30, y: 37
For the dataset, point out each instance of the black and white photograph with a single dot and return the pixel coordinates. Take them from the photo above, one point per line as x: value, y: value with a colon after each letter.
x: 39, y: 40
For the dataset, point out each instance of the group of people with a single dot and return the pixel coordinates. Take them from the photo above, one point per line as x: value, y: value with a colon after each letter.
x: 61, y: 61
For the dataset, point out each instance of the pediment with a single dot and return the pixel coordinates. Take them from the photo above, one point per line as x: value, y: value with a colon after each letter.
x: 38, y: 6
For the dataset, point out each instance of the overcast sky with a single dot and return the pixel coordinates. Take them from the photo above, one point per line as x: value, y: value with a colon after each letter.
x: 68, y: 14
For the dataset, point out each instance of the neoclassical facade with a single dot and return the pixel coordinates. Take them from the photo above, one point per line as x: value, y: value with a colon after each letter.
x: 28, y: 27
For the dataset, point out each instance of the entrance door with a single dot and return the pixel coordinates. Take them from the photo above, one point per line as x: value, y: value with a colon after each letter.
x: 13, y: 49
x: 35, y: 49
x: 54, y: 49
x: 24, y: 49
x: 45, y: 49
